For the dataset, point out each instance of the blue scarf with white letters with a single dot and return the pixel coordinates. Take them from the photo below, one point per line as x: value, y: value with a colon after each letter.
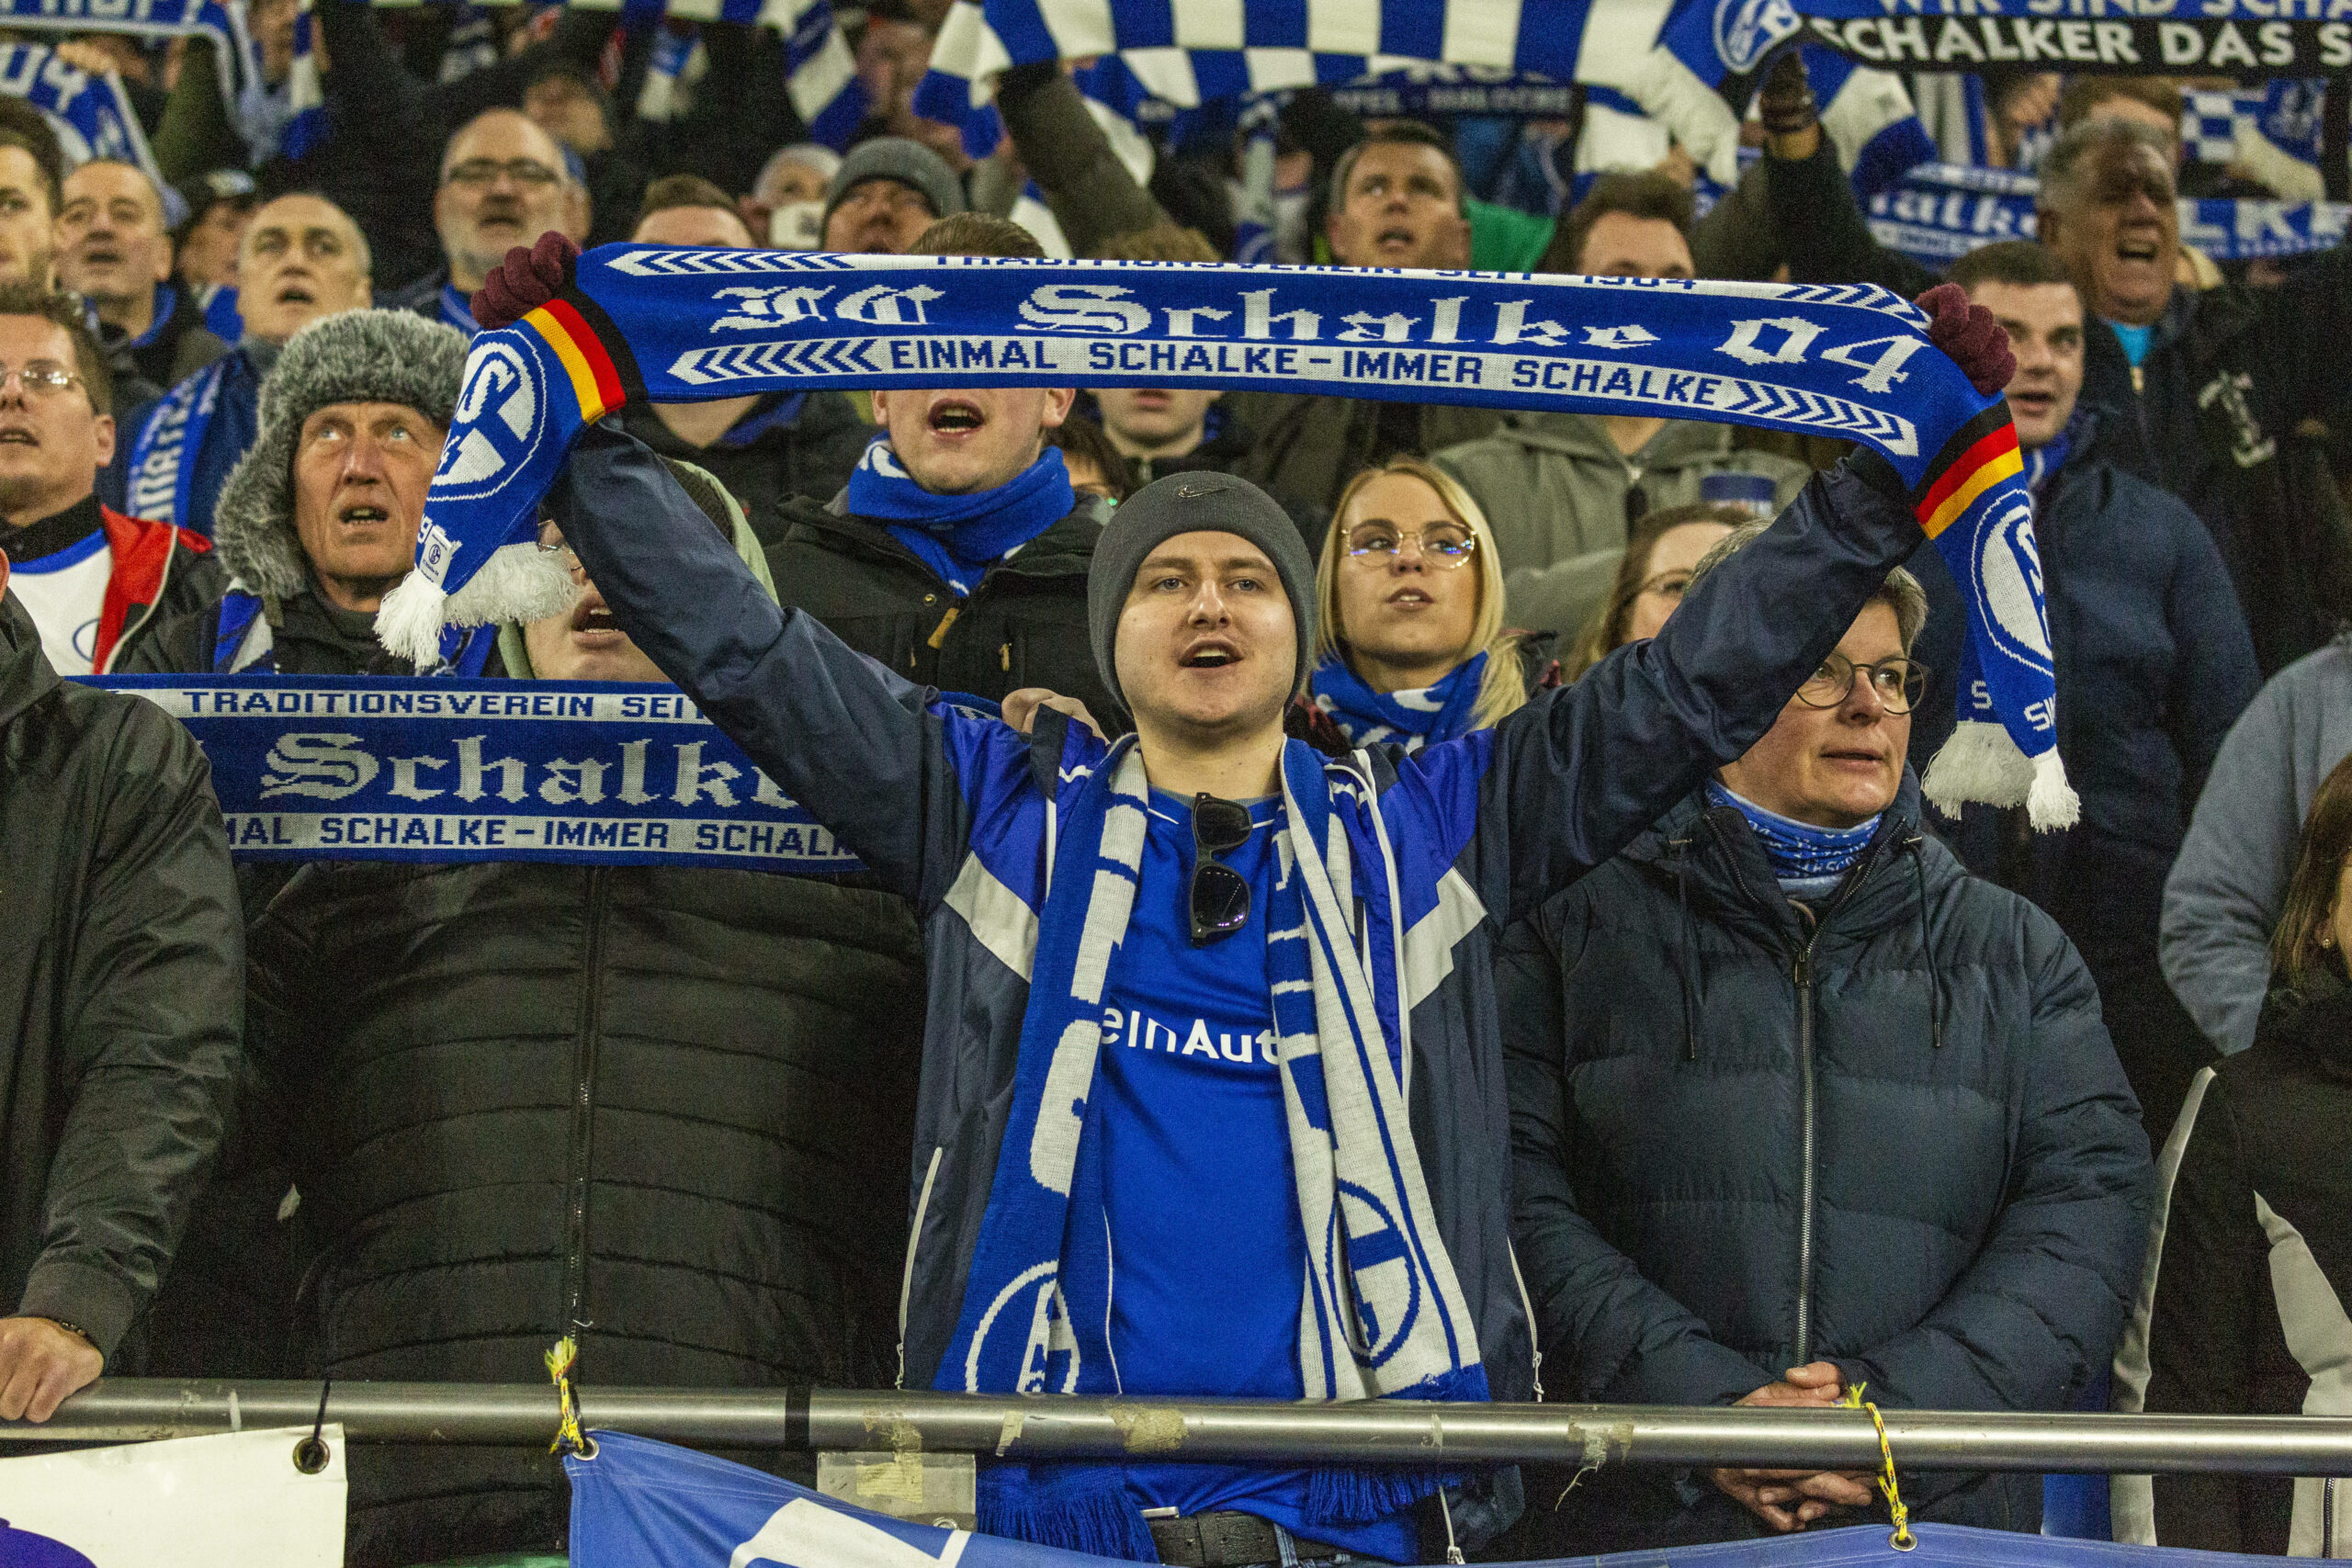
x: 681, y: 325
x: 1381, y: 1313
x: 1443, y: 711
x: 960, y: 536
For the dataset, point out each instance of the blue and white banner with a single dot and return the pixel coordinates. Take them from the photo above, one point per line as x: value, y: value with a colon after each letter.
x: 2251, y: 39
x: 92, y: 115
x: 451, y: 770
x: 1941, y: 212
x: 640, y: 1502
x: 670, y: 325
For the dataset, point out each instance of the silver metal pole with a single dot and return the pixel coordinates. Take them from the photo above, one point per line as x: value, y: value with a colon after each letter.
x: 132, y: 1409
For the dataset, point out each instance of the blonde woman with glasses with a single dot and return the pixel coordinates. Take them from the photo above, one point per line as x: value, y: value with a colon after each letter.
x: 1410, y: 646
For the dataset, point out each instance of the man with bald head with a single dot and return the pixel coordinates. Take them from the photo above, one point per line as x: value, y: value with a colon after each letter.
x: 505, y: 181
x: 763, y: 449
x: 114, y: 250
x: 302, y: 258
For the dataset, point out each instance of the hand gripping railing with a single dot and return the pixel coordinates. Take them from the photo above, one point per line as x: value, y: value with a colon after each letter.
x: 1384, y: 1431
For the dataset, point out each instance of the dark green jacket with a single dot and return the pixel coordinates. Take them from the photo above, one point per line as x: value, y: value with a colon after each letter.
x: 1024, y: 625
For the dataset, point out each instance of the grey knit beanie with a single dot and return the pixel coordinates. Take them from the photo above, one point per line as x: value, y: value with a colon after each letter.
x: 910, y: 163
x: 1193, y: 504
x: 358, y: 356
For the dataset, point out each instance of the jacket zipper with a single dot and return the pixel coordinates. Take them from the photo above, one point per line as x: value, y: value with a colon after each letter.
x: 584, y: 1109
x: 123, y: 639
x: 1527, y: 1305
x: 914, y: 1240
x: 1802, y: 971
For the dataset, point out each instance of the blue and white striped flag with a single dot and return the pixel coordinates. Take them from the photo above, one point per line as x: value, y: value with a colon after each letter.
x: 307, y: 126
x: 820, y: 73
x: 225, y: 25
x: 92, y: 115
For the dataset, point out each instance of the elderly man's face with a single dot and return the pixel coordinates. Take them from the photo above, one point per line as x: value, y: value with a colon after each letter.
x: 1836, y: 766
x: 878, y: 217
x: 1402, y: 207
x: 112, y: 242
x: 302, y: 259
x: 361, y: 471
x: 503, y: 185
x: 52, y: 442
x: 714, y: 228
x: 28, y: 228
x: 2121, y: 232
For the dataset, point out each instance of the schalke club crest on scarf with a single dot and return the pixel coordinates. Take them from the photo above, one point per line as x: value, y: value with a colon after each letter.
x: 1852, y: 362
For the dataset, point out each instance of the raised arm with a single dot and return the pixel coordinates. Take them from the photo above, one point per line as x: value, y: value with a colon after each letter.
x: 861, y: 752
x: 1817, y: 225
x: 1581, y: 770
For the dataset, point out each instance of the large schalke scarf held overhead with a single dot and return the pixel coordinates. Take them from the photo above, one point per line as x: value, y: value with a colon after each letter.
x: 678, y: 326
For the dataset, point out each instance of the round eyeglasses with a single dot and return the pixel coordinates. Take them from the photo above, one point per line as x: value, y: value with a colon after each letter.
x: 1442, y: 544
x: 1899, y: 682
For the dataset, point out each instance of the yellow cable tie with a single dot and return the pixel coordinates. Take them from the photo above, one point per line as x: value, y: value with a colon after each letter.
x: 1902, y: 1540
x: 561, y: 1357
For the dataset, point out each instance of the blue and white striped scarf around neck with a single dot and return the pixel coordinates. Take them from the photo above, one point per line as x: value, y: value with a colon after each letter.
x: 1381, y: 1310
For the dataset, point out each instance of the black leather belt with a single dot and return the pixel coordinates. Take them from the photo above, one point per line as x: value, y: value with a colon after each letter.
x: 1228, y: 1540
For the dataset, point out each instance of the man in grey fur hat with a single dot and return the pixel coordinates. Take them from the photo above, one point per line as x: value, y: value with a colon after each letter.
x: 318, y: 520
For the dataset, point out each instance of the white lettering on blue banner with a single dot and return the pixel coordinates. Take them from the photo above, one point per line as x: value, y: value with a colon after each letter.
x: 447, y: 770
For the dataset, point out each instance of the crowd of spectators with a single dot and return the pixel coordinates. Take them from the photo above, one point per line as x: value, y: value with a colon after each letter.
x: 1744, y: 1075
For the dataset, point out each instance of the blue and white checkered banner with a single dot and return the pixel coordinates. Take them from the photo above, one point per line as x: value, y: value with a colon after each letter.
x: 91, y: 115
x: 1941, y: 212
x: 449, y: 770
x: 638, y: 1502
x: 2250, y: 39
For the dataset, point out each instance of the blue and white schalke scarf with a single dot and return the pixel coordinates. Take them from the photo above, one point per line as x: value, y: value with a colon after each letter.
x: 677, y: 325
x: 1381, y: 1311
x: 960, y: 536
x: 1444, y: 711
x: 162, y: 459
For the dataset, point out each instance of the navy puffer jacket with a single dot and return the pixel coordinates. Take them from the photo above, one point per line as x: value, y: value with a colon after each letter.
x: 1898, y: 1141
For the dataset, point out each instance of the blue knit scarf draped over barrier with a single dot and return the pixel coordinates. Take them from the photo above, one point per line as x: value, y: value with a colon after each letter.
x: 1381, y: 1311
x: 960, y: 536
x: 675, y: 325
x: 1413, y: 719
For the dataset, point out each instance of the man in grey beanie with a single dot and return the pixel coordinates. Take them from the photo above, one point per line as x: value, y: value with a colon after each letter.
x: 319, y: 518
x: 888, y: 191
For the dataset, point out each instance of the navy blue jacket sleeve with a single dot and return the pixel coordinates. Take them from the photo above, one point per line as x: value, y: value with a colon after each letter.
x: 1610, y: 1335
x: 1581, y: 770
x: 860, y: 750
x: 2037, y: 1315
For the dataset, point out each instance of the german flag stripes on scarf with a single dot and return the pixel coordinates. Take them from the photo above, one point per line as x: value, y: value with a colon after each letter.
x: 1852, y: 362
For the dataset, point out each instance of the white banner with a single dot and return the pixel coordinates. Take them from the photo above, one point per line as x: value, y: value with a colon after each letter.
x: 228, y: 1502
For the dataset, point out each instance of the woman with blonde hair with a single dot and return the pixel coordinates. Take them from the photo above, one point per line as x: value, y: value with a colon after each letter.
x: 1410, y: 646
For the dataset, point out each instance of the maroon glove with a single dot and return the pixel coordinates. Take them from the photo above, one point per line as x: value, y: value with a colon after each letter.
x: 1977, y: 343
x: 524, y: 281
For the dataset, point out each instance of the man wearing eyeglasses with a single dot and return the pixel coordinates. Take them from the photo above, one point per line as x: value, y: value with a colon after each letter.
x: 96, y: 582
x: 1800, y: 1108
x: 505, y: 181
